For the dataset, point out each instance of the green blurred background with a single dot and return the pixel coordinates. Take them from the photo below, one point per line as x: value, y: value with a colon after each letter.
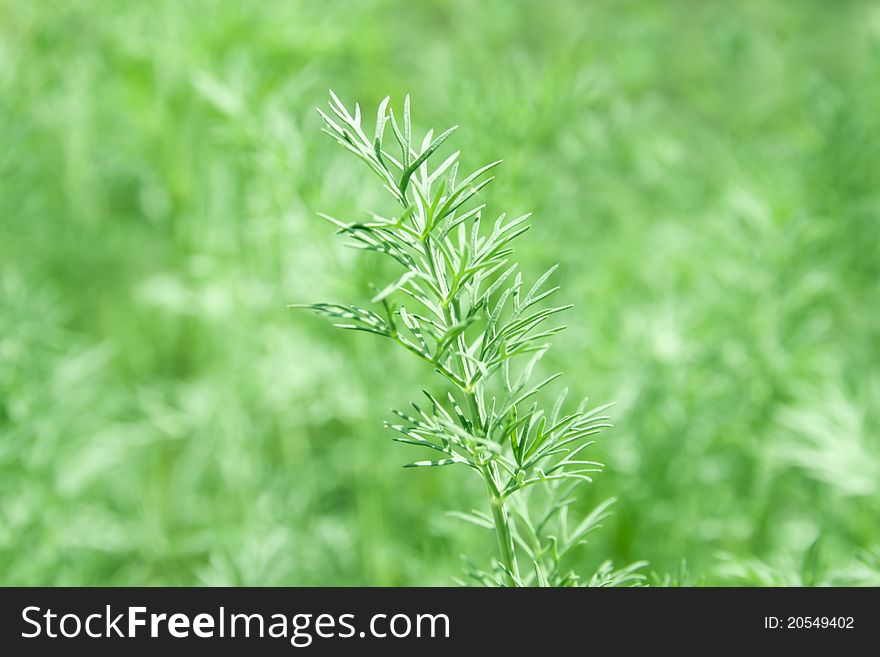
x: 706, y: 174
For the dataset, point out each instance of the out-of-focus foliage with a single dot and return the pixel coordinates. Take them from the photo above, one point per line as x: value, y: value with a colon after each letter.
x: 705, y: 173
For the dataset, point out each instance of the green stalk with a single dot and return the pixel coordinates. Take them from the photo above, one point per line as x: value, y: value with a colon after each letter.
x: 506, y: 552
x: 502, y: 526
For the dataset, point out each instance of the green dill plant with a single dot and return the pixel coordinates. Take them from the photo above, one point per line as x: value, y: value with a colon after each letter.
x: 460, y: 304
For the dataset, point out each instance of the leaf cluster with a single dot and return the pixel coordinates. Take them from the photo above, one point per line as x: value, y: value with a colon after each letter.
x: 460, y: 304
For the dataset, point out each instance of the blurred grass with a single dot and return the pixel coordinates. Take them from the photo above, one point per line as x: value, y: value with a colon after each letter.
x: 705, y: 173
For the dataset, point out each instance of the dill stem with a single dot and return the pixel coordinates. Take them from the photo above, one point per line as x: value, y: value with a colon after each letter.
x: 506, y: 551
x: 502, y: 526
